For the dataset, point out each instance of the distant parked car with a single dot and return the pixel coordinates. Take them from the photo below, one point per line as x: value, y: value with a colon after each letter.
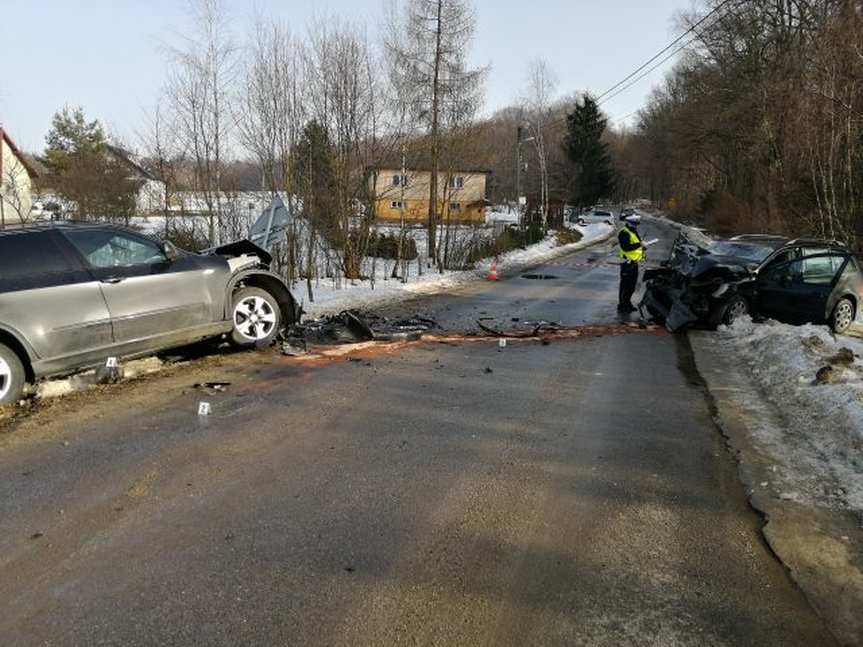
x: 595, y: 216
x: 72, y: 295
x: 794, y: 281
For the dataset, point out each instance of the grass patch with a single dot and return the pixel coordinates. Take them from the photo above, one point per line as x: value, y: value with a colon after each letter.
x: 568, y: 236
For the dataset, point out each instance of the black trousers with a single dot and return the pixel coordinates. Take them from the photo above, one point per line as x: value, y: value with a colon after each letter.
x: 628, y: 281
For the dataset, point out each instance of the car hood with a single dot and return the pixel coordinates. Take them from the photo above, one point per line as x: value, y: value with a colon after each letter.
x: 239, y: 249
x: 725, y: 267
x: 692, y: 258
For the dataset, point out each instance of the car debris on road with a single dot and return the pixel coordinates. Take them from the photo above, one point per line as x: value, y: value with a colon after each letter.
x: 352, y: 326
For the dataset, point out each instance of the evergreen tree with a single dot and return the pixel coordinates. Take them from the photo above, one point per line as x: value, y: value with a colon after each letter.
x: 314, y: 179
x: 583, y: 143
x: 83, y: 170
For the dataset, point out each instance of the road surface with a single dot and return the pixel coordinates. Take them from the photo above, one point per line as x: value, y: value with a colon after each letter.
x: 458, y: 493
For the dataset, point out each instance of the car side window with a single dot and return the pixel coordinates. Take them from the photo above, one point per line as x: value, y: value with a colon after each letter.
x: 105, y: 248
x: 812, y: 270
x: 30, y: 254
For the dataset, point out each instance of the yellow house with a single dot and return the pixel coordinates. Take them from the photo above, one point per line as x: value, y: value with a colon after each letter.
x: 461, y: 195
x: 16, y: 175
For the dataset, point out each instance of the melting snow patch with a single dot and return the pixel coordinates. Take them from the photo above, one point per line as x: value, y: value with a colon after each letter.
x: 815, y: 379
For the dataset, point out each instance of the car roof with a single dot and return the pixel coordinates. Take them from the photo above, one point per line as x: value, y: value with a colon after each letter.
x: 820, y: 242
x: 62, y: 225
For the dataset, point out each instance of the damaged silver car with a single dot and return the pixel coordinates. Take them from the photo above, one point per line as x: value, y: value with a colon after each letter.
x: 74, y: 294
x: 710, y: 282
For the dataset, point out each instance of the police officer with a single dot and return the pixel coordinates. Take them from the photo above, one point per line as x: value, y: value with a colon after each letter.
x: 631, y: 253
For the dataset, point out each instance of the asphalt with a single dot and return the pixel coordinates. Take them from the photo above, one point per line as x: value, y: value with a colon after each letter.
x: 457, y: 493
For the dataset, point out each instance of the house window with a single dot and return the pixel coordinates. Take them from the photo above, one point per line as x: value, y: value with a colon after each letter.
x: 455, y: 207
x: 456, y: 182
x: 398, y: 204
x: 400, y: 180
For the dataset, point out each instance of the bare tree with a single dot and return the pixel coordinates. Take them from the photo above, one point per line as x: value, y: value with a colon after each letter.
x: 162, y: 153
x: 203, y: 68
x: 428, y: 41
x: 344, y: 93
x: 270, y: 111
x: 538, y: 110
x: 15, y: 200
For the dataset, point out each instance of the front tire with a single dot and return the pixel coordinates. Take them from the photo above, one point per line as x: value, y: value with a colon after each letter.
x: 732, y: 311
x: 843, y: 316
x: 13, y: 377
x: 257, y: 318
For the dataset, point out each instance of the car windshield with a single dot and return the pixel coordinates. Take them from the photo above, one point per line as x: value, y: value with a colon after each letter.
x: 748, y: 251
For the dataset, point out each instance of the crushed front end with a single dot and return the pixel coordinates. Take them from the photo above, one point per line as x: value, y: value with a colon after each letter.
x: 693, y: 285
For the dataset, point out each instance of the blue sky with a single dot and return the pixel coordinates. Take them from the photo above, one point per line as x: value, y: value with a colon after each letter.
x: 105, y: 55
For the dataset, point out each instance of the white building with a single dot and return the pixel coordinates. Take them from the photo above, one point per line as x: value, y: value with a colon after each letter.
x: 16, y: 176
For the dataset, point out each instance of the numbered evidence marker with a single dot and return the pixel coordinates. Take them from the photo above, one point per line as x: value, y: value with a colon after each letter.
x: 204, y: 409
x: 501, y: 343
x: 111, y: 362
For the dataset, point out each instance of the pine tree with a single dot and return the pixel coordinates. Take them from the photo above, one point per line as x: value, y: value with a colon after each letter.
x: 83, y: 171
x: 595, y: 178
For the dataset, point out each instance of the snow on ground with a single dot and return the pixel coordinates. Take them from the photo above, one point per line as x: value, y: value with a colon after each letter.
x: 820, y: 446
x: 333, y: 295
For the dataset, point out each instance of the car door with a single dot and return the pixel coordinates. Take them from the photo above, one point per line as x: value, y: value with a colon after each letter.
x: 818, y: 275
x: 148, y: 295
x: 798, y: 291
x: 50, y: 301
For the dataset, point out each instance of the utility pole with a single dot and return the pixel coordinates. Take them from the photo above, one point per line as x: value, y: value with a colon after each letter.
x: 518, y: 169
x: 402, y: 182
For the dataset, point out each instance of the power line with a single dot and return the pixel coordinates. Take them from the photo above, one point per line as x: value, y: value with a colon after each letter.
x: 666, y: 48
x: 647, y: 72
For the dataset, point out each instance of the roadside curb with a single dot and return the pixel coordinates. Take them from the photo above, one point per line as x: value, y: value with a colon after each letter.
x: 822, y: 549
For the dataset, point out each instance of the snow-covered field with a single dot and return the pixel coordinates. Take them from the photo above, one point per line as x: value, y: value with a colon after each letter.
x: 332, y: 295
x: 819, y: 446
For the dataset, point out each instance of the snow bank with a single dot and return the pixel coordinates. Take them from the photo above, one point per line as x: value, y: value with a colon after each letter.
x: 330, y: 297
x: 820, y: 447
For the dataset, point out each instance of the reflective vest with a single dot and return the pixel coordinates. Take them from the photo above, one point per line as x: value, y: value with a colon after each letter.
x: 636, y: 255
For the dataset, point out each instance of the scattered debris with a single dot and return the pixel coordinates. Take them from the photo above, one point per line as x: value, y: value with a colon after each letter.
x: 294, y: 347
x: 813, y: 342
x: 37, y: 535
x: 351, y: 326
x: 824, y: 375
x: 488, y: 370
x: 843, y: 357
x: 531, y: 329
x: 218, y: 387
x: 539, y: 277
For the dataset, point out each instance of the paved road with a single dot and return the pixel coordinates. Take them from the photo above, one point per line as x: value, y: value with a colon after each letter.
x: 575, y: 494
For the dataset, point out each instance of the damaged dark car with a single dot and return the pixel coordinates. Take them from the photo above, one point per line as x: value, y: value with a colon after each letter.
x: 74, y: 294
x: 708, y: 282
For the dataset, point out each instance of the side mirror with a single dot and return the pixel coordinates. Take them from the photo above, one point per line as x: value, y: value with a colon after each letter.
x: 170, y: 251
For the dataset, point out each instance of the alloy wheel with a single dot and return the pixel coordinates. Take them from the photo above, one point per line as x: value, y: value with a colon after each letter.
x: 254, y: 318
x: 5, y: 377
x: 844, y: 316
x: 737, y: 310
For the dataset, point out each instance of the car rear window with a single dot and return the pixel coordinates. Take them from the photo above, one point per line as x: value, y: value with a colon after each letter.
x: 30, y: 254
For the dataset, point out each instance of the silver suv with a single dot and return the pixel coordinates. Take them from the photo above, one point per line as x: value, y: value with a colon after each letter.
x: 73, y: 295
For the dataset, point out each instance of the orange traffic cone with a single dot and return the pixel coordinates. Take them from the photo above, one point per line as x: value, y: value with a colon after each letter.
x: 492, y: 272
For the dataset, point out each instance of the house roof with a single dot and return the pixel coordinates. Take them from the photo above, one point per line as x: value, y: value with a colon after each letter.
x: 396, y: 168
x: 4, y: 136
x: 126, y: 157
